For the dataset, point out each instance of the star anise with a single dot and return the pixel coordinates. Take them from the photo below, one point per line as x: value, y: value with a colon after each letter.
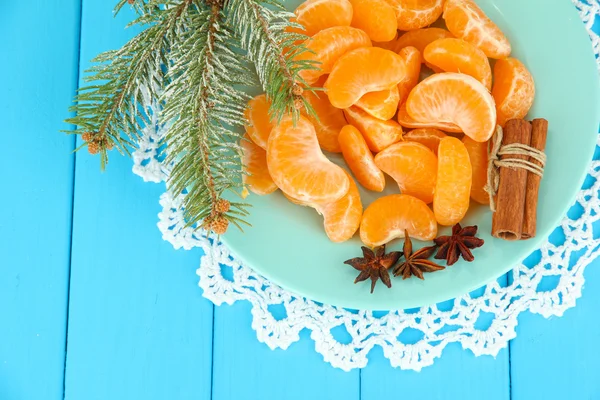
x: 457, y: 245
x: 416, y: 263
x: 374, y: 265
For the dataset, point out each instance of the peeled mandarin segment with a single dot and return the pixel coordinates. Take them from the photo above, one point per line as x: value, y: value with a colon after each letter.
x: 409, y: 122
x: 259, y: 121
x: 478, y: 154
x: 328, y: 121
x: 387, y: 218
x: 412, y: 58
x: 341, y: 218
x: 429, y: 137
x: 327, y: 46
x: 360, y: 71
x: 514, y: 90
x: 316, y: 15
x: 456, y: 99
x: 360, y: 160
x: 377, y: 133
x: 254, y: 159
x: 382, y: 104
x: 457, y: 55
x: 467, y: 21
x: 419, y: 39
x: 376, y: 18
x: 413, y: 166
x: 416, y: 14
x: 299, y: 168
x: 389, y: 45
x: 453, y: 187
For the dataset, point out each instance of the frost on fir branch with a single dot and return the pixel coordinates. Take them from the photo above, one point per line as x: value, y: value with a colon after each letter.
x: 196, y: 58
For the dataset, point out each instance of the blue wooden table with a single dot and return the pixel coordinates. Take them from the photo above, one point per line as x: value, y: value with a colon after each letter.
x: 95, y: 305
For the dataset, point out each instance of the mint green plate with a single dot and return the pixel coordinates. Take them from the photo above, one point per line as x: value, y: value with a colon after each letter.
x: 287, y: 243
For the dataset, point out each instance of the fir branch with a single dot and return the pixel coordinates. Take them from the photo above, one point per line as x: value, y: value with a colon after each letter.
x: 110, y: 109
x: 205, y: 101
x: 268, y: 37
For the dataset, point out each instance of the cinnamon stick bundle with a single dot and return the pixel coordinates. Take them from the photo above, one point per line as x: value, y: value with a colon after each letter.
x: 507, y: 221
x: 539, y: 133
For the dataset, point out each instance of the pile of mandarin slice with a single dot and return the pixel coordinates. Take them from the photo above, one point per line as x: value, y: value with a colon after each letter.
x: 400, y: 98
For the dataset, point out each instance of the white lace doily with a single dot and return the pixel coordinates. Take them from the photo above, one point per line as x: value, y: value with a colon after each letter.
x: 440, y: 325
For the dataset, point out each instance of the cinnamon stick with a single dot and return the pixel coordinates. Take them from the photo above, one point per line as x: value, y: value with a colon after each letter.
x: 539, y: 132
x: 507, y: 221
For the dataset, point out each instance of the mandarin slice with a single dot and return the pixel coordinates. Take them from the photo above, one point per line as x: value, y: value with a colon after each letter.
x: 382, y: 104
x: 387, y: 218
x: 478, y: 154
x: 299, y: 167
x: 453, y: 187
x: 327, y: 122
x: 360, y: 71
x: 407, y: 121
x: 467, y: 21
x: 257, y: 177
x: 514, y: 90
x: 420, y: 38
x: 429, y: 137
x: 412, y: 58
x: 454, y: 98
x: 259, y: 121
x: 416, y: 14
x: 316, y: 15
x: 376, y: 18
x: 360, y: 159
x: 413, y: 166
x: 341, y: 218
x: 327, y: 46
x: 389, y: 45
x: 457, y: 55
x: 377, y: 133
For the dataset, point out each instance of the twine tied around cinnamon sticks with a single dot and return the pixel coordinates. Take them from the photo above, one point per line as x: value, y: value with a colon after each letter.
x: 516, y: 166
x: 496, y: 150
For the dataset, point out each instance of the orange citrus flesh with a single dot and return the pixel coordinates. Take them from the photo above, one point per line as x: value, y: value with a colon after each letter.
x: 387, y: 218
x: 328, y: 120
x: 454, y: 98
x: 382, y: 104
x: 457, y: 55
x: 316, y: 15
x: 513, y: 91
x: 420, y: 38
x: 327, y: 46
x: 413, y: 166
x: 416, y: 14
x: 429, y: 137
x: 259, y: 121
x: 360, y: 71
x: 478, y: 154
x: 467, y: 21
x: 360, y: 160
x: 408, y: 122
x: 376, y: 18
x: 389, y: 45
x: 341, y: 218
x: 377, y: 133
x: 412, y: 58
x: 299, y: 167
x: 256, y: 177
x: 453, y: 187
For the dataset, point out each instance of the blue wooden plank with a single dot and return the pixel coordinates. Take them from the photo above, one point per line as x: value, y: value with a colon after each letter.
x: 457, y: 374
x: 138, y: 325
x: 244, y: 368
x: 557, y: 358
x: 39, y: 71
